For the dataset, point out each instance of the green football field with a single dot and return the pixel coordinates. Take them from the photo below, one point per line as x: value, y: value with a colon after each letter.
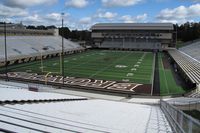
x: 130, y: 66
x: 168, y: 85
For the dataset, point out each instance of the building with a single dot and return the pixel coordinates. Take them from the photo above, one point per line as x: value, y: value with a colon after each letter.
x: 133, y: 35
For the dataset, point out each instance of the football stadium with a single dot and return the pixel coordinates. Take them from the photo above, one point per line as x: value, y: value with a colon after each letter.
x: 143, y: 59
x: 99, y: 66
x: 131, y: 68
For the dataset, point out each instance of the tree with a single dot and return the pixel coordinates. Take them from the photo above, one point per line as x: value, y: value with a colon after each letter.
x: 41, y: 27
x: 66, y: 32
x: 188, y: 31
x: 51, y: 27
x: 30, y: 27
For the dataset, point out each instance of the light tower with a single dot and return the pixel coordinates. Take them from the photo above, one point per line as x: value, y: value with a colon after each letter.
x: 62, y: 14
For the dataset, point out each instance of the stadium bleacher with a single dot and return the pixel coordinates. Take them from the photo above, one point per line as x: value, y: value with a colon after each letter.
x: 195, y: 93
x: 27, y: 45
x: 192, y: 49
x: 188, y: 65
x: 91, y: 115
x: 129, y: 45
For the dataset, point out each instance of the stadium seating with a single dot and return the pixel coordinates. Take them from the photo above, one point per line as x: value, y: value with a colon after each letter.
x: 130, y: 45
x: 192, y: 49
x: 27, y: 45
x: 195, y: 93
x: 108, y: 44
x: 190, y: 67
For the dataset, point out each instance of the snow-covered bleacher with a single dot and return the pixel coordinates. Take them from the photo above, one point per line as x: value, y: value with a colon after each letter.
x: 27, y: 45
x: 192, y: 50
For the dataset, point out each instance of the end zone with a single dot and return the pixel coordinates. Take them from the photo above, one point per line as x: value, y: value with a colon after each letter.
x: 102, y: 85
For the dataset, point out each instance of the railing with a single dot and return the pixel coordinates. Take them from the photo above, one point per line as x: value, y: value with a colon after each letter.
x: 187, y: 105
x: 180, y: 122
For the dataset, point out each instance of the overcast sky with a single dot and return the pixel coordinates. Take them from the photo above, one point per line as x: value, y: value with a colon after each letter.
x: 81, y: 14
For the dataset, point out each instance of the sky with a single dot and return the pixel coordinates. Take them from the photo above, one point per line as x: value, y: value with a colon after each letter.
x: 82, y: 14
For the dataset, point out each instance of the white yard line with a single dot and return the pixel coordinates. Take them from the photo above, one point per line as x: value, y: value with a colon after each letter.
x: 152, y: 73
x: 82, y: 63
x: 144, y: 54
x: 164, y: 76
x: 101, y: 70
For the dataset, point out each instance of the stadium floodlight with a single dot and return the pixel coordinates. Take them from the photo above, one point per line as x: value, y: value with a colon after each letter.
x: 6, y: 57
x: 41, y: 61
x: 62, y: 14
x: 176, y: 33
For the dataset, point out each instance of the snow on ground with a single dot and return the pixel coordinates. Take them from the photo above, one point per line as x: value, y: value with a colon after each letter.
x: 85, y: 116
x: 10, y: 93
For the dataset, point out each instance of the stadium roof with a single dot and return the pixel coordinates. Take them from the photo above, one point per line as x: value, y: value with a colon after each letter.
x: 133, y: 26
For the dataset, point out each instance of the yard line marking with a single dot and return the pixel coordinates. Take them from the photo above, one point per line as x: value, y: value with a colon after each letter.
x: 109, y: 65
x: 137, y: 64
x: 81, y: 63
x: 166, y: 84
x: 129, y: 74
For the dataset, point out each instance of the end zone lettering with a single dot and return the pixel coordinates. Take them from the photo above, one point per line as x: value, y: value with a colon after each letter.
x: 84, y: 82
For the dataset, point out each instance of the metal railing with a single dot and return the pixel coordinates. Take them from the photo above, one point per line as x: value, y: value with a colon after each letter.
x: 180, y: 122
x: 187, y: 105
